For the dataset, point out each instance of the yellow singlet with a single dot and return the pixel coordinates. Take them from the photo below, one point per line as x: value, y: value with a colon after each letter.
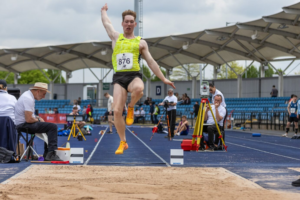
x: 126, y: 55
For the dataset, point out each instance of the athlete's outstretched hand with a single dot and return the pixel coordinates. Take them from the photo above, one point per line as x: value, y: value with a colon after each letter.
x: 105, y: 7
x: 166, y: 81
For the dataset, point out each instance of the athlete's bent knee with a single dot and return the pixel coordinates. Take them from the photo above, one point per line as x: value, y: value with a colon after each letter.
x: 118, y: 113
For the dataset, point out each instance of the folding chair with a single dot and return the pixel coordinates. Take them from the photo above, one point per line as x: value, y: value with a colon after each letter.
x: 29, y: 143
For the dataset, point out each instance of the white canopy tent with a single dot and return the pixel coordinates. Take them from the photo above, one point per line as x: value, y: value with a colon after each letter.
x: 263, y: 40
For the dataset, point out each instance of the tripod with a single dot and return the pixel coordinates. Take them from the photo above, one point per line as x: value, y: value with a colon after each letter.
x: 198, y: 131
x: 73, y: 130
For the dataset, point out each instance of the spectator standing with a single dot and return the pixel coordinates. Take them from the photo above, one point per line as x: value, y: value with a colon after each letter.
x: 293, y: 117
x: 92, y: 109
x: 196, y: 109
x: 274, y: 92
x: 88, y: 113
x: 155, y: 113
x: 8, y: 102
x: 151, y: 112
x: 110, y: 109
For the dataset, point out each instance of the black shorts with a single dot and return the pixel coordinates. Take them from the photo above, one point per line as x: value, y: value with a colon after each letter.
x: 107, y: 113
x: 125, y: 78
x: 293, y: 119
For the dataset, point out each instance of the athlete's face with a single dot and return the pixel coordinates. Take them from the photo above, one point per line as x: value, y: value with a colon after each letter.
x: 128, y: 24
x: 295, y: 99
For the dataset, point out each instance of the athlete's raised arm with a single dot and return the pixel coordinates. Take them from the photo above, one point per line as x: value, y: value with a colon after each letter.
x: 112, y: 33
x: 152, y: 63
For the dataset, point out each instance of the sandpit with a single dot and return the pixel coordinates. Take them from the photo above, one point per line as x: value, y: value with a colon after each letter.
x: 107, y: 182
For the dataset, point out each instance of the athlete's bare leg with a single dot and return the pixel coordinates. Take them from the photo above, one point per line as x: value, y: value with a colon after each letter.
x: 110, y: 122
x: 136, y: 88
x: 120, y: 96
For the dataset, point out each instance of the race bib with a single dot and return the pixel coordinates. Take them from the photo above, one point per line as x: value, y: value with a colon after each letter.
x: 124, y: 61
x: 293, y: 110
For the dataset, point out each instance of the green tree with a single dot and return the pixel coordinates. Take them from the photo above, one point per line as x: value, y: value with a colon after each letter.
x: 231, y: 75
x: 146, y: 72
x: 155, y: 78
x: 33, y: 76
x: 269, y: 72
x: 10, y: 78
x: 280, y: 70
x: 53, y: 73
x: 252, y: 72
x: 179, y: 74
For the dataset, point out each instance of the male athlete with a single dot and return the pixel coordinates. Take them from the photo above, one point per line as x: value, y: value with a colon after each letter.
x: 293, y: 117
x: 127, y: 50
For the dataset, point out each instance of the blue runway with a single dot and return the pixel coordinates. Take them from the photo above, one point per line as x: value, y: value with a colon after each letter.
x: 264, y: 160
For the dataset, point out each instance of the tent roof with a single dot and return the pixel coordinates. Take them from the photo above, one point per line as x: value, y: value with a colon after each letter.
x: 277, y: 36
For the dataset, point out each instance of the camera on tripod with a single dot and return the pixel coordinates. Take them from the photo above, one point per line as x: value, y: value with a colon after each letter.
x: 166, y: 104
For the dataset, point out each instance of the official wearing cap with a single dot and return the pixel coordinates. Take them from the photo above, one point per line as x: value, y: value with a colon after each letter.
x: 25, y: 118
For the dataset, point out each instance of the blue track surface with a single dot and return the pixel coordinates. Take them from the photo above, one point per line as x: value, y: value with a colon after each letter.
x: 265, y: 160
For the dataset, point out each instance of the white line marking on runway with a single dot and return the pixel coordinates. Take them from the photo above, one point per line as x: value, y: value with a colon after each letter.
x: 149, y: 148
x: 88, y: 160
x: 18, y: 174
x: 263, y: 151
x: 264, y: 142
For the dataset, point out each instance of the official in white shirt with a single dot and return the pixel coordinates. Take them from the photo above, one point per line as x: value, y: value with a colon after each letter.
x: 110, y: 110
x: 214, y: 91
x: 8, y: 102
x: 171, y: 110
x: 219, y: 112
x: 25, y: 118
x: 140, y: 114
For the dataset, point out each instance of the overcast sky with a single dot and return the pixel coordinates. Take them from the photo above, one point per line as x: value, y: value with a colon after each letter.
x: 33, y: 23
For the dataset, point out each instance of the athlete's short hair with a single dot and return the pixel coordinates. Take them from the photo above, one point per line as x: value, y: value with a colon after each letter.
x: 128, y: 12
x: 184, y: 116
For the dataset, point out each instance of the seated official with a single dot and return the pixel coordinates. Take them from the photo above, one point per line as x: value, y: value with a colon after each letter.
x: 8, y: 134
x: 8, y: 102
x: 136, y: 115
x: 141, y: 115
x: 75, y: 112
x: 25, y: 118
x: 219, y: 112
x: 183, y: 127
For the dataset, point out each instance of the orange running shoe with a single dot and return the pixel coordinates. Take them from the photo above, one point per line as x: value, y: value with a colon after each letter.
x: 130, y: 116
x: 123, y: 146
